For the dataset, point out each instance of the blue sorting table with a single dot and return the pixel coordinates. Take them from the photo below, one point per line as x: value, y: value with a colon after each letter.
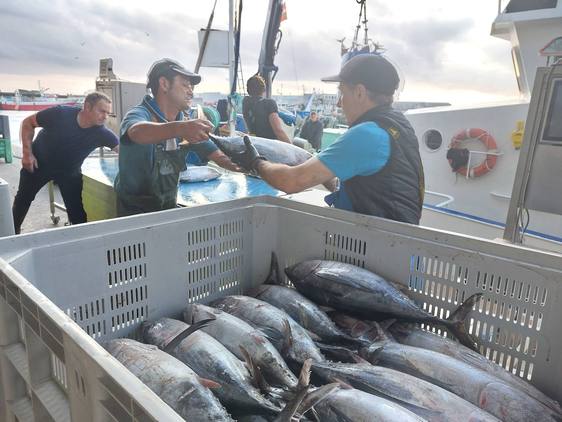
x: 99, y: 197
x: 229, y: 186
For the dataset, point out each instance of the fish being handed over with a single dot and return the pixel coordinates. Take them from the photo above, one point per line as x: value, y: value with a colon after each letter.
x: 173, y: 381
x: 237, y: 335
x: 211, y: 360
x: 352, y: 289
x: 286, y: 335
x: 272, y: 150
x: 420, y: 397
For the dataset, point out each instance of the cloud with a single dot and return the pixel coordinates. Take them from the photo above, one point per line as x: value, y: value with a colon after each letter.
x: 73, y: 36
x: 68, y: 37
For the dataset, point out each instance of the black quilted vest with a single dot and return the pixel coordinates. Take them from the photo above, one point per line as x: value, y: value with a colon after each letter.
x: 396, y: 191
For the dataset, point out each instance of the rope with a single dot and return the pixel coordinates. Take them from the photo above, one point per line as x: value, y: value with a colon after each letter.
x: 205, y: 39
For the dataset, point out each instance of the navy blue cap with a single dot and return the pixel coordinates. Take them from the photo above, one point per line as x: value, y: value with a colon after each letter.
x: 163, y: 66
x: 373, y: 71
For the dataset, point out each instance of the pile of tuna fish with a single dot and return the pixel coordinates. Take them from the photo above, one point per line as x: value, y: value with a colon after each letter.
x: 353, y: 337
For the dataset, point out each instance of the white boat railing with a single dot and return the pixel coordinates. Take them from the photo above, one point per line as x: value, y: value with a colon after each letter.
x: 500, y: 195
x: 448, y: 198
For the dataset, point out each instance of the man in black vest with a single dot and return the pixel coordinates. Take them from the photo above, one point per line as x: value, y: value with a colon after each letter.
x: 377, y: 160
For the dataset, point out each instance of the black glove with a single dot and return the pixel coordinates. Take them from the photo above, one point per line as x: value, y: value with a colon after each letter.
x: 248, y: 158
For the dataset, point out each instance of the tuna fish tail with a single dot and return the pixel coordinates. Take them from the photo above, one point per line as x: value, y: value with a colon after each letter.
x: 456, y: 322
x: 274, y: 276
x: 185, y: 333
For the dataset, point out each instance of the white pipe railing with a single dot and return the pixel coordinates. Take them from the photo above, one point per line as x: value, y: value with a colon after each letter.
x: 448, y: 198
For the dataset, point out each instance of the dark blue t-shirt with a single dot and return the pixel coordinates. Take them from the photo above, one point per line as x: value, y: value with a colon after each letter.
x: 62, y: 144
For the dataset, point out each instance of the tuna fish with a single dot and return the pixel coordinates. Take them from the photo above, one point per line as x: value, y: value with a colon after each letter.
x: 412, y: 335
x: 286, y: 335
x: 474, y: 385
x: 355, y: 290
x: 273, y: 150
x: 199, y: 174
x: 211, y: 360
x: 305, y: 312
x: 237, y: 335
x: 423, y: 398
x: 352, y: 405
x: 173, y: 381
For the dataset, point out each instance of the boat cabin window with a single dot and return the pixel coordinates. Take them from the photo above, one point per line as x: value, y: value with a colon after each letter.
x: 553, y: 127
x: 525, y: 5
x: 516, y: 57
x: 432, y: 139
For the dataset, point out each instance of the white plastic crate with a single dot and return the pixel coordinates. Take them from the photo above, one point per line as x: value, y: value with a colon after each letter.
x: 64, y: 290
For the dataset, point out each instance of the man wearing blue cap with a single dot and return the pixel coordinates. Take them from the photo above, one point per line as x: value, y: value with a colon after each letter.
x: 377, y: 160
x: 155, y: 138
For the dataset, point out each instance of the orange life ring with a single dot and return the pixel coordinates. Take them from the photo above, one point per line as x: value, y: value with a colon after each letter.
x: 488, y: 141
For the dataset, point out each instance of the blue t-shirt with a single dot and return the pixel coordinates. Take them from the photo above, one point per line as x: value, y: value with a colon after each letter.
x: 62, y: 144
x: 136, y: 160
x: 363, y: 150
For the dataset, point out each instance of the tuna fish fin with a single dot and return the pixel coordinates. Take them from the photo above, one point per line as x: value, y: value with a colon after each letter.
x: 257, y: 378
x: 205, y: 382
x: 185, y: 333
x: 290, y: 409
x: 338, y: 353
x: 371, y: 353
x: 274, y: 276
x: 287, y: 338
x: 456, y: 322
x: 314, y: 397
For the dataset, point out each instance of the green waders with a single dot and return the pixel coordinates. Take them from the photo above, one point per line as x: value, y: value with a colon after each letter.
x: 164, y: 181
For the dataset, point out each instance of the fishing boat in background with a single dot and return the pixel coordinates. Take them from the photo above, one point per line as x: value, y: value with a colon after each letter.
x: 35, y: 100
x: 470, y: 154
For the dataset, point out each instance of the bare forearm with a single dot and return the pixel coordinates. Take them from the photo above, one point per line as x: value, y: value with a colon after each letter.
x: 275, y: 122
x: 332, y: 185
x: 280, y: 176
x: 281, y: 135
x: 153, y: 133
x: 27, y: 132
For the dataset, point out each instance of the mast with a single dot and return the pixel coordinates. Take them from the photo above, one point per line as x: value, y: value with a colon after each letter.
x: 270, y: 43
x: 231, y: 65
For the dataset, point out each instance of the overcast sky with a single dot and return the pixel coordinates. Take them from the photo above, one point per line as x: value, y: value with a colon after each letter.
x: 442, y: 47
